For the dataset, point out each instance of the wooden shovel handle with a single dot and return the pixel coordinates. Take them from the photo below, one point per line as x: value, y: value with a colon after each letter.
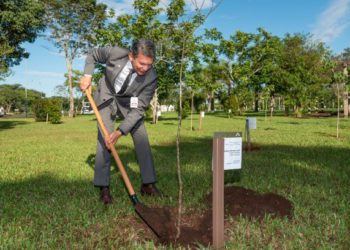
x: 113, y: 150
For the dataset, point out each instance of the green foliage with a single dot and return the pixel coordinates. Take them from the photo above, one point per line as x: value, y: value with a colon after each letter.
x: 15, y: 96
x: 11, y: 96
x: 73, y: 25
x: 231, y: 105
x: 21, y: 21
x: 186, y: 108
x: 50, y: 107
x: 302, y: 71
x: 175, y: 10
x: 199, y: 102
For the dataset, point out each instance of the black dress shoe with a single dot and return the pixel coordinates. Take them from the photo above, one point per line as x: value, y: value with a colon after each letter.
x: 150, y: 190
x: 105, y: 196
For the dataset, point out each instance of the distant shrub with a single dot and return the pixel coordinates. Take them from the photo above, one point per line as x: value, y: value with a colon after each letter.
x: 186, y: 110
x: 231, y: 105
x: 50, y: 107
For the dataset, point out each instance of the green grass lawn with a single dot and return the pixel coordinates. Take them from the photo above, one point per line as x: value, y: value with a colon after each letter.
x: 47, y: 199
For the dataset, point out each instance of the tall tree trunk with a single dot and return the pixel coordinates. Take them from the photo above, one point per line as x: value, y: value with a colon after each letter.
x: 286, y: 110
x: 272, y: 105
x: 154, y: 105
x: 69, y: 62
x: 212, y: 102
x: 346, y: 103
x: 209, y: 103
x: 8, y: 108
x: 298, y: 111
x: 256, y: 102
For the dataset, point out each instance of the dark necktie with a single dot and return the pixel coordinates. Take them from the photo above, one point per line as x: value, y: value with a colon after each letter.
x: 126, y: 82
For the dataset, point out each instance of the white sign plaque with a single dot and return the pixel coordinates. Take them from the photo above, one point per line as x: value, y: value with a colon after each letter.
x: 232, y: 153
x: 252, y: 122
x: 134, y: 101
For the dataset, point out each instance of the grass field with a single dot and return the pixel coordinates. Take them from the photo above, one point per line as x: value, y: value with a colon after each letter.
x: 47, y: 199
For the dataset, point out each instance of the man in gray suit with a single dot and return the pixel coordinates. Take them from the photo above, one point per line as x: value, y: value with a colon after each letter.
x: 125, y: 90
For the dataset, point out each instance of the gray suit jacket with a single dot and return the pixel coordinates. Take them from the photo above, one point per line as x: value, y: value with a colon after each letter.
x: 143, y: 87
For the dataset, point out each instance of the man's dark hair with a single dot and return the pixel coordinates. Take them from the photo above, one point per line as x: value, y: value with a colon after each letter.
x: 144, y: 46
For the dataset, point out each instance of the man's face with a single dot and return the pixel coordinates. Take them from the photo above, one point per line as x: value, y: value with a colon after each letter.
x: 141, y: 63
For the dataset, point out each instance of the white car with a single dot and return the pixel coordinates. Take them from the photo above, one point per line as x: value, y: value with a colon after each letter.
x: 2, y: 111
x: 86, y: 111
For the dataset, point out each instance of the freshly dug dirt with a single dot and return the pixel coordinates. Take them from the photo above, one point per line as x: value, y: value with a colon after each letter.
x: 197, y: 225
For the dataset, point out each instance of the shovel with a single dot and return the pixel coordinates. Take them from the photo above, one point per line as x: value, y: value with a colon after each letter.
x: 148, y: 215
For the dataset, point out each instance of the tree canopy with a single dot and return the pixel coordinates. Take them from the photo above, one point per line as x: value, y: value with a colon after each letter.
x: 21, y: 20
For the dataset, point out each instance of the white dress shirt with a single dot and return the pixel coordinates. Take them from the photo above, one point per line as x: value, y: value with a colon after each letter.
x: 122, y: 77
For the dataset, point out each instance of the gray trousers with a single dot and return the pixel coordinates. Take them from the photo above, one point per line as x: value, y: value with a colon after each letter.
x: 142, y: 149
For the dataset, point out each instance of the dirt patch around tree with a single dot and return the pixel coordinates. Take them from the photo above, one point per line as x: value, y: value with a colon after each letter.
x: 196, y: 225
x: 248, y: 148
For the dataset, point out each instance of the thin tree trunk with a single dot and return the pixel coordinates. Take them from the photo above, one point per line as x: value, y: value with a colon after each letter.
x: 179, y: 176
x: 212, y: 102
x: 346, y: 103
x: 338, y: 113
x: 192, y: 107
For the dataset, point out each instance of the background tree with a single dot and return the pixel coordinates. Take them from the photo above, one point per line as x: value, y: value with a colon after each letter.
x: 344, y: 60
x: 301, y: 69
x: 21, y: 21
x: 72, y: 24
x: 257, y: 55
x: 194, y: 86
x: 48, y: 109
x: 212, y: 80
x: 15, y: 96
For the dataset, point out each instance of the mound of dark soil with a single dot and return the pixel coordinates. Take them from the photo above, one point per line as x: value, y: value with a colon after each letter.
x: 196, y: 226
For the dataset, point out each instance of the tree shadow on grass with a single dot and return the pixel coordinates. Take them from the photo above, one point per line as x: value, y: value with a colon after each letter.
x: 9, y: 124
x: 162, y: 118
x: 276, y: 168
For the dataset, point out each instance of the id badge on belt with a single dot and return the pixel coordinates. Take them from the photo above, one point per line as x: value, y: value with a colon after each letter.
x: 134, y: 101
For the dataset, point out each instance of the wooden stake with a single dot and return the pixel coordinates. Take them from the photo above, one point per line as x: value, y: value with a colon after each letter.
x: 247, y: 135
x: 218, y: 192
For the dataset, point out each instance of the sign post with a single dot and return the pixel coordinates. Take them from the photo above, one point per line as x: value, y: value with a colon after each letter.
x: 227, y: 154
x: 201, y: 115
x: 250, y: 123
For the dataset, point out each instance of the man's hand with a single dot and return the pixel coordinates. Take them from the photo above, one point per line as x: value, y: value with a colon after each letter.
x: 85, y: 82
x: 113, y: 138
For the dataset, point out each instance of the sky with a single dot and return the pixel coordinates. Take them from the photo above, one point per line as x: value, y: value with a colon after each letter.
x: 325, y: 20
